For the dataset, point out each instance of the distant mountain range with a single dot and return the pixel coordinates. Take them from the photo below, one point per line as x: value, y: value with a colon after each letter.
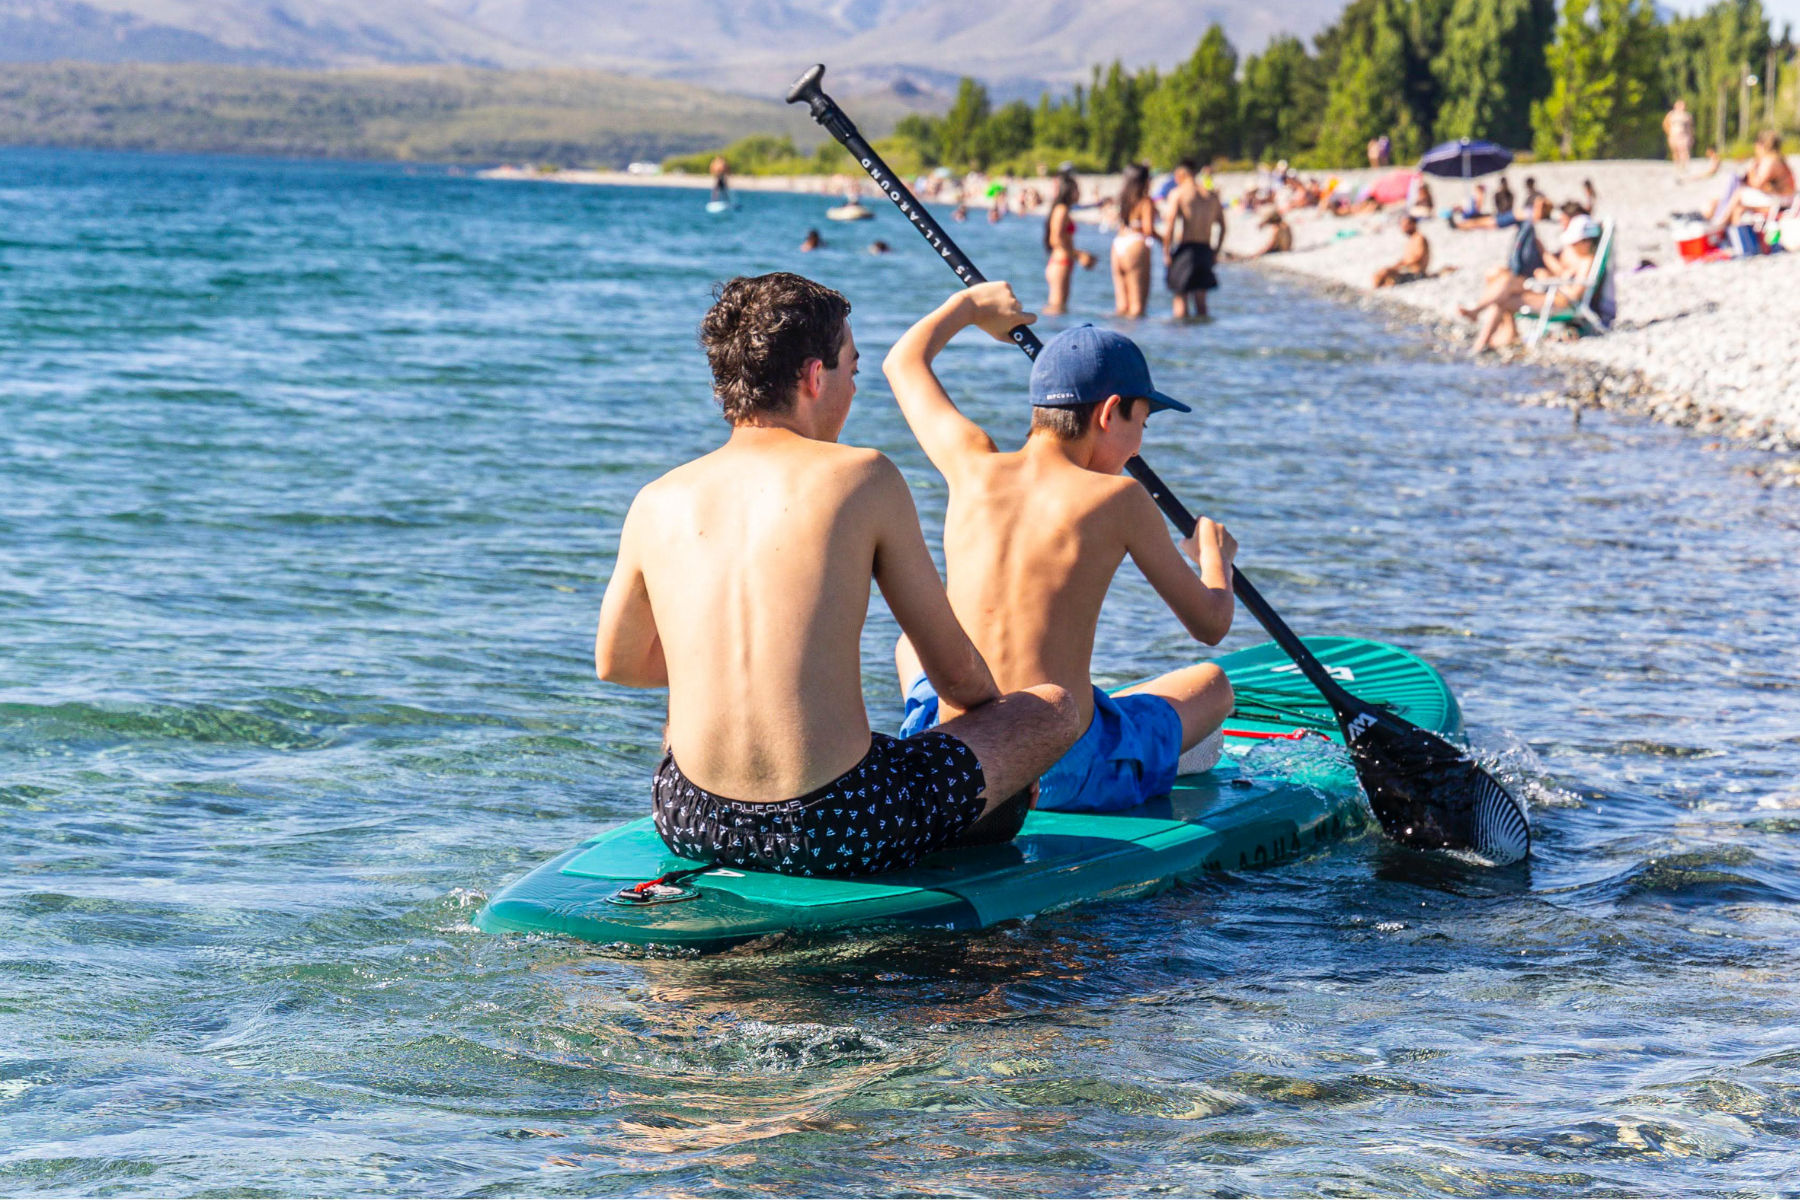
x: 913, y: 48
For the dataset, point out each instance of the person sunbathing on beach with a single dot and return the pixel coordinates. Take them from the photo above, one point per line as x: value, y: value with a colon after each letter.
x: 742, y: 584
x: 1573, y: 264
x: 1032, y: 539
x: 1422, y: 205
x: 1415, y: 260
x: 1503, y: 216
x: 1278, y: 238
x: 1472, y: 207
x: 1767, y: 185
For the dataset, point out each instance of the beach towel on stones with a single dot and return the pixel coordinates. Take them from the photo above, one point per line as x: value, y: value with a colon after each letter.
x: 1279, y: 790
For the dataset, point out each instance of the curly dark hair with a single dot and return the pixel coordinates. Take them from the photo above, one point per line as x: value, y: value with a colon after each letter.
x: 759, y: 335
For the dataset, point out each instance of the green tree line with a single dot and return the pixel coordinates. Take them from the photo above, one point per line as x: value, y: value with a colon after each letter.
x: 1588, y: 79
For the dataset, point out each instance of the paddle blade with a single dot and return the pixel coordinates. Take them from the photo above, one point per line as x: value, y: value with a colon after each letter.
x: 1428, y: 794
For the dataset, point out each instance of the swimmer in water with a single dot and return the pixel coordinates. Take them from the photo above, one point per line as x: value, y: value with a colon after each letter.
x: 879, y: 247
x: 811, y: 242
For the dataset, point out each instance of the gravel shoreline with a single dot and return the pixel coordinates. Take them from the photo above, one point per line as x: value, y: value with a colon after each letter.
x: 1706, y: 346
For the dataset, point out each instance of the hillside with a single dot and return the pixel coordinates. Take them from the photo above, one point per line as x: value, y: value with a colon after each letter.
x: 755, y: 46
x: 434, y: 114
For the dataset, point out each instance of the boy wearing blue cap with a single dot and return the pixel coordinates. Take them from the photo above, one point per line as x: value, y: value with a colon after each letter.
x: 1033, y: 538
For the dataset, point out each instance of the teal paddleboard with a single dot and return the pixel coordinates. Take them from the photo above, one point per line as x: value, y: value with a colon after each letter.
x: 1255, y: 808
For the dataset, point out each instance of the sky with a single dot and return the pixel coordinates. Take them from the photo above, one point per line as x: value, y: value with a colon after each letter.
x: 1779, y: 11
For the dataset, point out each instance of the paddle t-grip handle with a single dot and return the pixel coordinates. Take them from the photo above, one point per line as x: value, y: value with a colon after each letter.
x: 825, y: 111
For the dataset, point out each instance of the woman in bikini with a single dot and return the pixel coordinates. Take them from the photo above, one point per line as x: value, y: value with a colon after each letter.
x: 1059, y: 243
x: 1131, y: 246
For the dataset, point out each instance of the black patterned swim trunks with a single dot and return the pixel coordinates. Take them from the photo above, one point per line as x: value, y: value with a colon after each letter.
x: 907, y: 798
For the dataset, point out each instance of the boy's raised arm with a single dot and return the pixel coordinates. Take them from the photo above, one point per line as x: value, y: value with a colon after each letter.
x: 1203, y: 601
x: 947, y: 436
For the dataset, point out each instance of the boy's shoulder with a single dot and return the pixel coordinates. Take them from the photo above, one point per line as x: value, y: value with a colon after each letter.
x: 804, y: 462
x: 1094, y: 492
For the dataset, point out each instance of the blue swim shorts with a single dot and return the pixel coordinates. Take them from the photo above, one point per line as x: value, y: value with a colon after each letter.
x: 1127, y: 755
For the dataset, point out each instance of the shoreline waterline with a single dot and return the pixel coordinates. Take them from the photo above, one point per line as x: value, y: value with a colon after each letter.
x: 1687, y: 349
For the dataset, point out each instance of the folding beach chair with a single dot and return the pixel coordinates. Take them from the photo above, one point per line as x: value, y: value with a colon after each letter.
x: 1582, y: 318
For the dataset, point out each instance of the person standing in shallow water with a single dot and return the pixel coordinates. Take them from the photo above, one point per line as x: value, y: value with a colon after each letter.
x: 1131, y: 245
x: 1189, y: 250
x: 1059, y: 243
x: 742, y: 586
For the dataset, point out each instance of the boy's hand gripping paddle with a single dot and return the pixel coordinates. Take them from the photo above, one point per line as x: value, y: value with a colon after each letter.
x: 1425, y: 792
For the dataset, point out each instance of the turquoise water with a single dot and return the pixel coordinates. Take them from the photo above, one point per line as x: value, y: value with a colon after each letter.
x: 311, y: 476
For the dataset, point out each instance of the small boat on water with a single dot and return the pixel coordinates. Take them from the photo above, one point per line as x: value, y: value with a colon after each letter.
x: 852, y: 211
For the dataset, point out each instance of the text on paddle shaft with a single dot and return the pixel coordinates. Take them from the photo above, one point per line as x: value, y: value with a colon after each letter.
x: 920, y: 218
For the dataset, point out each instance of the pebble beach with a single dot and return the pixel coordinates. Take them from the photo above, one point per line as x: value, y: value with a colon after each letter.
x: 1707, y: 345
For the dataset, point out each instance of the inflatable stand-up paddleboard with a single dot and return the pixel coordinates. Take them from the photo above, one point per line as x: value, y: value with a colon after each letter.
x: 718, y: 206
x: 1246, y: 812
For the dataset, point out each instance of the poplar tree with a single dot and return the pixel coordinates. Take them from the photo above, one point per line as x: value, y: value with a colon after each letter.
x: 1369, y: 93
x: 1282, y: 97
x: 1706, y: 55
x: 1603, y: 67
x: 1492, y: 68
x: 1008, y: 133
x: 1062, y: 127
x: 1113, y: 117
x: 1193, y: 113
x: 960, y: 132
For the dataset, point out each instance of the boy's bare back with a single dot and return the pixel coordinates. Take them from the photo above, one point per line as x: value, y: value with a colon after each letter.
x: 1048, y: 536
x: 757, y: 561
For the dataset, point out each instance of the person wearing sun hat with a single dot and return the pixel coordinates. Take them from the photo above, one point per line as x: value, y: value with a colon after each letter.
x: 1033, y: 537
x: 1576, y: 262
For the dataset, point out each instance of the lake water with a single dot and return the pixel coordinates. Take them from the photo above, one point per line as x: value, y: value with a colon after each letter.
x: 309, y: 483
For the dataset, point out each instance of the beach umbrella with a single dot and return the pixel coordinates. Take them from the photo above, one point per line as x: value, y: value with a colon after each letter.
x: 1465, y: 159
x: 1391, y: 188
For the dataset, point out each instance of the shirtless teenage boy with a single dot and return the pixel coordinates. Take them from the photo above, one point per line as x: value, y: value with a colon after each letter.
x: 1189, y: 250
x: 1033, y: 538
x: 741, y: 585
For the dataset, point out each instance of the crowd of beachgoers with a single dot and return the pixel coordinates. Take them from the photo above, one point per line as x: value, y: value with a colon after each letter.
x: 1678, y: 287
x: 1675, y: 274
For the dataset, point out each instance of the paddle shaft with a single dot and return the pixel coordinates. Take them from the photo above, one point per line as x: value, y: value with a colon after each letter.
x: 826, y: 112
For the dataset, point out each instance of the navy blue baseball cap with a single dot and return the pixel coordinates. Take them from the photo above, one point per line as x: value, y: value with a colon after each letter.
x: 1086, y: 364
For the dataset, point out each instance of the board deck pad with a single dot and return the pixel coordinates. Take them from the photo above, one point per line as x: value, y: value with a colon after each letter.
x: 1264, y: 802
